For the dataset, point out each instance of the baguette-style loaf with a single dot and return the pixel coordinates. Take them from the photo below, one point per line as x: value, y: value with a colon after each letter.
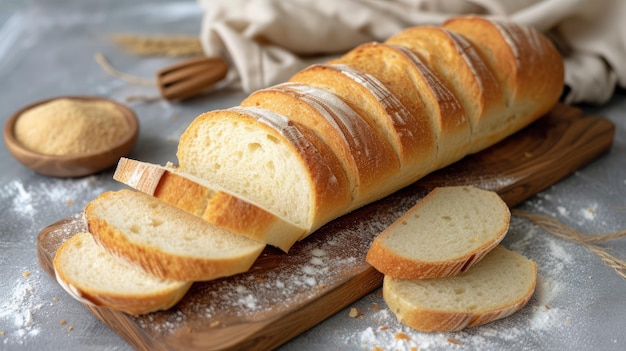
x: 496, y: 287
x: 431, y: 95
x: 445, y: 233
x: 199, y: 198
x: 167, y: 241
x: 93, y: 276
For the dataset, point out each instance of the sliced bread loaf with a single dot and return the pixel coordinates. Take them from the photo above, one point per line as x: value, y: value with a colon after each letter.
x: 167, y: 241
x: 445, y: 233
x: 496, y: 287
x: 366, y: 156
x: 93, y: 276
x: 205, y: 200
x: 272, y: 155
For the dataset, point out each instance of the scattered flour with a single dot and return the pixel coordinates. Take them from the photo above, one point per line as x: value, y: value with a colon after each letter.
x: 19, y: 310
x: 588, y: 213
x: 26, y: 200
x: 23, y: 205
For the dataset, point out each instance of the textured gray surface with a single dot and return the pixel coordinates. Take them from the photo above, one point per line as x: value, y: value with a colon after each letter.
x: 47, y: 49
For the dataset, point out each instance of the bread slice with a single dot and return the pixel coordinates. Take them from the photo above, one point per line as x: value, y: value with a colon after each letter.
x: 428, y: 98
x: 527, y: 65
x: 445, y: 233
x: 367, y: 157
x: 279, y: 164
x: 499, y: 285
x: 455, y: 60
x: 93, y: 276
x: 167, y: 241
x: 198, y: 197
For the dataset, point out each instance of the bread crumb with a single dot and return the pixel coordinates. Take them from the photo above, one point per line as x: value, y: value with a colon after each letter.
x: 547, y: 307
x: 69, y: 202
x: 354, y: 312
x: 377, y: 348
x: 70, y: 328
x: 383, y: 328
x: 455, y: 341
x: 63, y: 322
x: 214, y: 324
x: 26, y: 274
x: 55, y: 299
x: 1, y: 332
x: 376, y: 307
x: 402, y: 336
x: 413, y: 348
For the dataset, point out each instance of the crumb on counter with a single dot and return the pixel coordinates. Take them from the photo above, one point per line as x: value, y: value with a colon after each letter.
x: 354, y: 312
x: 455, y: 341
x: 402, y: 336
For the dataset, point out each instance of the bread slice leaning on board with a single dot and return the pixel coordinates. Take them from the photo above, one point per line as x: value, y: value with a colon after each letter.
x: 445, y: 233
x: 93, y: 276
x: 496, y: 287
x: 199, y: 198
x: 299, y: 151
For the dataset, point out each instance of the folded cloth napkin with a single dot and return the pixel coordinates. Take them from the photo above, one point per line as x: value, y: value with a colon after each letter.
x: 267, y: 41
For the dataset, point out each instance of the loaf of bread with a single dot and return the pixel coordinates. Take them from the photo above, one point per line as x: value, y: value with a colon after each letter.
x: 341, y: 135
x: 93, y: 276
x: 496, y: 287
x: 199, y: 198
x: 445, y: 233
x: 167, y: 241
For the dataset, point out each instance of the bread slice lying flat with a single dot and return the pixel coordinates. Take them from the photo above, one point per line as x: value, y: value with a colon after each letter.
x: 445, y: 233
x: 93, y: 276
x: 167, y: 241
x: 197, y: 197
x: 496, y: 287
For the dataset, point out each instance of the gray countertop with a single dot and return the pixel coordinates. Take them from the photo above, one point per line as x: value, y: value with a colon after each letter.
x: 47, y: 49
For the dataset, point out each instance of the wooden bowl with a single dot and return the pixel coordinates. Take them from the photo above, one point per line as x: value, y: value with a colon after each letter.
x: 74, y: 165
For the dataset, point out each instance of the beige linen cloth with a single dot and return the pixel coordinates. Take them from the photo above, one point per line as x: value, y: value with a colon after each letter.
x: 267, y: 41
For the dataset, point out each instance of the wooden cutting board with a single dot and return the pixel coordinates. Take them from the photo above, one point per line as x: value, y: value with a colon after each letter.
x: 286, y: 294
